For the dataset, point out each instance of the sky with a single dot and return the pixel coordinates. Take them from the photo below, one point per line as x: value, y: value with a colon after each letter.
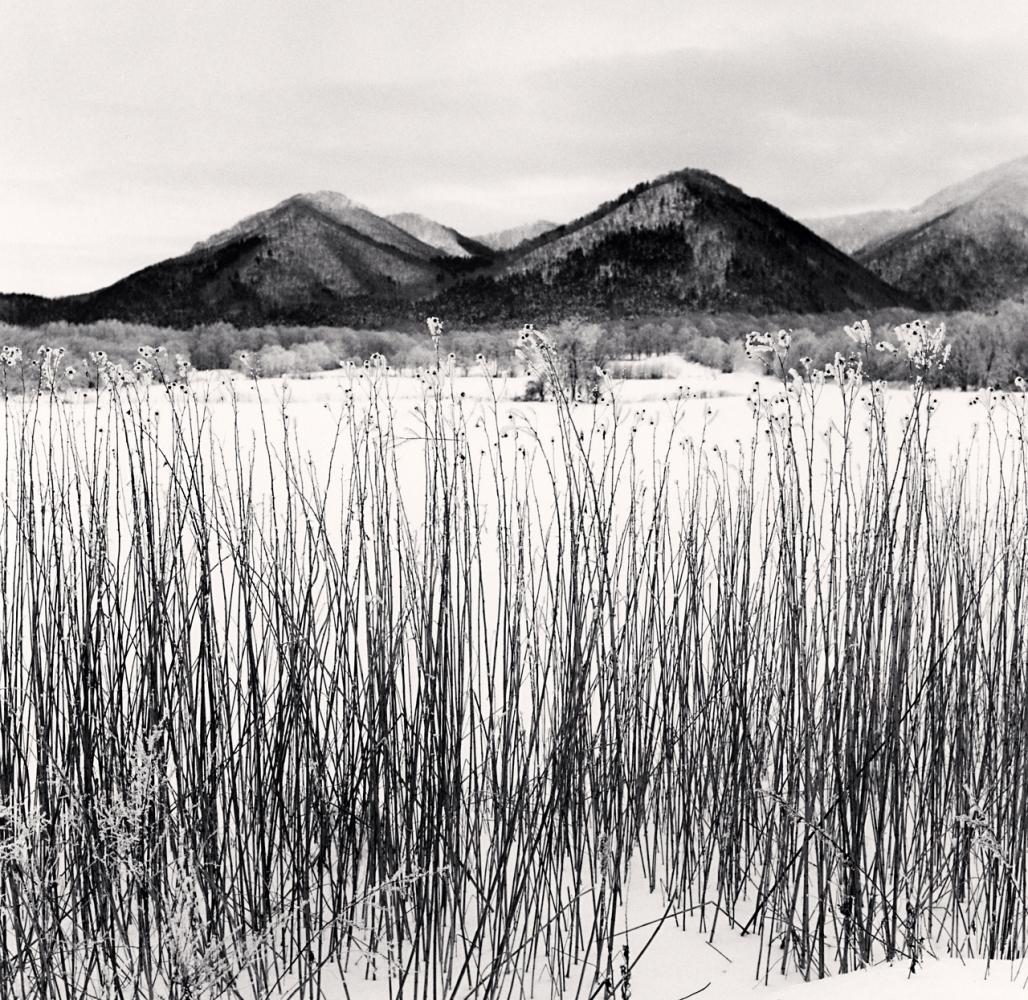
x: 131, y: 129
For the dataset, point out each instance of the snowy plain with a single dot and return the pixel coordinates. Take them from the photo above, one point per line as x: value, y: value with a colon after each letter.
x: 716, y: 412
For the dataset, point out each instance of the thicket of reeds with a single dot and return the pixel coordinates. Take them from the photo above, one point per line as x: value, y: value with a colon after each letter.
x: 425, y: 710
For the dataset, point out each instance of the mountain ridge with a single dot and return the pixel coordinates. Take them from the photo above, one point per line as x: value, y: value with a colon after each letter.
x: 685, y: 240
x: 508, y: 239
x: 444, y: 239
x: 858, y: 230
x: 966, y: 246
x: 336, y: 207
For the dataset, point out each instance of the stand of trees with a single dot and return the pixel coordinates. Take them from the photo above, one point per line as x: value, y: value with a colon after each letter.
x: 989, y: 348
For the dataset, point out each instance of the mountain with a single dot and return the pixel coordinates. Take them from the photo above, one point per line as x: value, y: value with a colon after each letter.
x: 964, y: 247
x: 311, y: 258
x: 446, y: 240
x: 19, y: 308
x: 508, y: 239
x: 685, y: 241
x: 851, y: 233
x: 333, y: 207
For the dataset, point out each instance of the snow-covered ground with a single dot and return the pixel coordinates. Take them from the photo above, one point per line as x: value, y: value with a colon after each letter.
x: 680, y: 960
x: 946, y: 979
x: 715, y: 411
x: 679, y: 965
x: 700, y: 396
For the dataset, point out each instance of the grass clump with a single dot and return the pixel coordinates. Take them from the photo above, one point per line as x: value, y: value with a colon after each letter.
x: 431, y: 709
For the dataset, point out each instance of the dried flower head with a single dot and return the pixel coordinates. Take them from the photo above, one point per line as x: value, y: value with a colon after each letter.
x: 925, y: 348
x: 859, y: 333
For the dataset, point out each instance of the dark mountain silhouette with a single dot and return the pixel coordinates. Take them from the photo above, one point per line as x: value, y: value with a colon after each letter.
x: 296, y: 261
x: 688, y: 240
x: 685, y: 241
x: 18, y: 308
x: 965, y: 247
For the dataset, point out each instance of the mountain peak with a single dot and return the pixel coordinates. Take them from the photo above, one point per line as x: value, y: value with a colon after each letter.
x: 1005, y: 185
x: 444, y: 239
x: 997, y: 181
x: 328, y: 201
x: 333, y: 210
x: 965, y: 246
x: 685, y: 240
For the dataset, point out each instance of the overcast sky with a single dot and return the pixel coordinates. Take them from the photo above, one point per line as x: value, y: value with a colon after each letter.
x: 129, y: 129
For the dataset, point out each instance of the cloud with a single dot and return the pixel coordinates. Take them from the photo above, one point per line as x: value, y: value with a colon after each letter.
x: 812, y: 124
x: 844, y: 115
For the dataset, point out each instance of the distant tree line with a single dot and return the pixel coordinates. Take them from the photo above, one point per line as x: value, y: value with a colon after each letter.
x: 989, y: 348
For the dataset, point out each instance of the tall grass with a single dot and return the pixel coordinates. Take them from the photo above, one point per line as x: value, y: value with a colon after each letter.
x: 429, y: 710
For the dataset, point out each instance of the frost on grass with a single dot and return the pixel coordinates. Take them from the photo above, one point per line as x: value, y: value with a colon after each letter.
x: 430, y: 692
